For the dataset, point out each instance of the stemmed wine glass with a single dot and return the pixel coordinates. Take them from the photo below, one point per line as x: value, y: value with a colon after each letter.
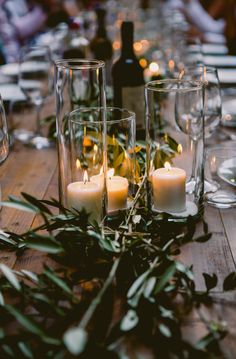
x: 35, y: 80
x: 4, y: 139
x: 208, y: 76
x: 189, y: 119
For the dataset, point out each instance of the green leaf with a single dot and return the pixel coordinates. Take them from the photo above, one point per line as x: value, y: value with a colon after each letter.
x: 210, y: 281
x: 230, y: 282
x: 30, y: 275
x: 137, y: 284
x: 2, y: 302
x: 58, y: 281
x: 75, y: 340
x: 204, y: 238
x: 129, y: 321
x: 25, y: 321
x: 44, y: 244
x: 205, y: 341
x: 25, y: 350
x: 151, y: 282
x: 164, y: 330
x: 164, y: 279
x: 36, y: 203
x: 11, y: 277
x: 18, y: 204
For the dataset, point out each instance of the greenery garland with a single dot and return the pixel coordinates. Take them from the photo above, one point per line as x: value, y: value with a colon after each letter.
x: 116, y: 287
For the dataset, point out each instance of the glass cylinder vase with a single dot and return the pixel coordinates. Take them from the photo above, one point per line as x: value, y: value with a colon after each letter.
x: 175, y: 147
x: 105, y: 153
x: 78, y: 83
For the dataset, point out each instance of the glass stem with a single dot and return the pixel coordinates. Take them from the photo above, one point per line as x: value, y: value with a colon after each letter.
x: 194, y: 144
x: 38, y: 125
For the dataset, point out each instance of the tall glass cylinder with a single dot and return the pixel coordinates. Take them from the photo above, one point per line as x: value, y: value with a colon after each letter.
x: 105, y: 155
x: 175, y: 147
x: 4, y: 138
x: 78, y: 84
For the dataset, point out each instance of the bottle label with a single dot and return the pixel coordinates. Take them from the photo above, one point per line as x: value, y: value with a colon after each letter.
x: 133, y: 100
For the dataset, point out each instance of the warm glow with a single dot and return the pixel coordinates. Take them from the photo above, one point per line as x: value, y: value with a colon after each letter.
x: 87, y: 142
x: 138, y: 46
x: 77, y: 163
x: 145, y: 42
x: 95, y: 148
x: 167, y: 166
x: 154, y: 67
x: 143, y: 63
x: 116, y: 45
x: 179, y: 148
x: 110, y: 172
x: 171, y: 65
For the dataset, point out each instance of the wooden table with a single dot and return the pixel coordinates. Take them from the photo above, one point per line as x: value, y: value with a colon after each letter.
x: 35, y: 172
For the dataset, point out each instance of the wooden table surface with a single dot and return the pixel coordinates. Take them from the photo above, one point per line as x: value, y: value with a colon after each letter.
x: 35, y: 172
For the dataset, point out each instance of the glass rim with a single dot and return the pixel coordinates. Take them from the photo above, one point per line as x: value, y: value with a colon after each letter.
x: 198, y: 66
x: 151, y: 85
x: 131, y: 116
x: 228, y: 147
x: 80, y: 64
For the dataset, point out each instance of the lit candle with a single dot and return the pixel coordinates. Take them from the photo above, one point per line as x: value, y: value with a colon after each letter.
x: 117, y: 190
x: 86, y: 195
x: 169, y: 189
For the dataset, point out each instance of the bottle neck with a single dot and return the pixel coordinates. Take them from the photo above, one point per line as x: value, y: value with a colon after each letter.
x: 127, y: 49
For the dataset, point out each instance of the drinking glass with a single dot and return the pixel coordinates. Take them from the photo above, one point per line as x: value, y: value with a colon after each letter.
x: 35, y: 80
x: 212, y: 95
x: 220, y: 169
x: 79, y: 83
x: 4, y: 139
x: 175, y: 146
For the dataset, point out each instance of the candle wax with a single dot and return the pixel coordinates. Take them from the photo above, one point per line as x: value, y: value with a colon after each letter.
x: 86, y: 195
x: 169, y: 189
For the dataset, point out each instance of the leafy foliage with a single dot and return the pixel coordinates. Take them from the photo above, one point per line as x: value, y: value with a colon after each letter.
x: 128, y: 263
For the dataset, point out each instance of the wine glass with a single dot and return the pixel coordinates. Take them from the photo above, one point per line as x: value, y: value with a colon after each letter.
x: 208, y: 76
x: 189, y: 119
x: 4, y: 139
x: 35, y: 80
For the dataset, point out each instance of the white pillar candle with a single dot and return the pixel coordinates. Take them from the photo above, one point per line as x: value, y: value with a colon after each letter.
x: 117, y: 190
x: 86, y: 195
x: 169, y: 189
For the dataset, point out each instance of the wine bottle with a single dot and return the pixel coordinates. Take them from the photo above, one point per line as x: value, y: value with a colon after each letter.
x: 128, y: 79
x: 100, y: 45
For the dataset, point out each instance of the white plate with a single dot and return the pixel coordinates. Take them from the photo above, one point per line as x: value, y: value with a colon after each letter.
x: 214, y: 49
x: 220, y: 61
x: 227, y: 76
x: 10, y: 69
x: 227, y: 171
x: 10, y: 92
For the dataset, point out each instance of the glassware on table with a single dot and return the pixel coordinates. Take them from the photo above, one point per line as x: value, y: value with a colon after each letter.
x: 102, y: 160
x: 4, y: 138
x: 79, y: 83
x: 220, y: 170
x: 35, y: 80
x: 212, y: 94
x: 175, y: 147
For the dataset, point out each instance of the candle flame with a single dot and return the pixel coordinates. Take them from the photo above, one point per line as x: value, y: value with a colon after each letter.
x: 111, y: 172
x: 171, y: 65
x: 101, y: 171
x: 77, y: 163
x: 85, y: 176
x: 167, y: 166
x: 179, y: 149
